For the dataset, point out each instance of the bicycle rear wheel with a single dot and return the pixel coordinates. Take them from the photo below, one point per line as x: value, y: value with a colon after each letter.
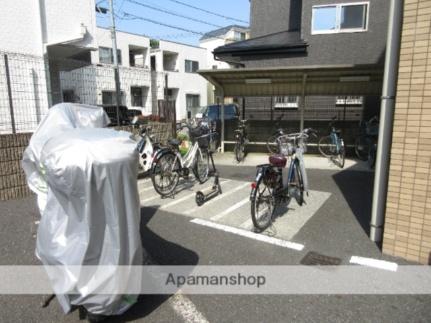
x: 326, y: 147
x: 166, y: 174
x: 362, y: 148
x: 201, y: 166
x: 262, y: 205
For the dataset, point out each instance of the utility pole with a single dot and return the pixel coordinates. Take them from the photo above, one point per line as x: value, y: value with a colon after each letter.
x: 115, y: 58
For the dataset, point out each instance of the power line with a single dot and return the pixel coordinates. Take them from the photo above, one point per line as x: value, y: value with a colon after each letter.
x: 209, y: 12
x: 129, y: 16
x: 173, y: 13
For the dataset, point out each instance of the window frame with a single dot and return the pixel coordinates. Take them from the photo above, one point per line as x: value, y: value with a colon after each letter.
x: 192, y: 63
x: 352, y: 100
x: 286, y: 105
x: 111, y: 54
x: 338, y: 29
x: 194, y: 96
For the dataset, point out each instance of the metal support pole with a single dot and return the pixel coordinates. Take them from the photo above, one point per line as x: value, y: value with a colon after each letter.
x: 386, y: 120
x: 115, y: 58
x: 272, y: 109
x: 9, y: 92
x: 243, y: 108
x: 304, y: 82
x: 222, y: 121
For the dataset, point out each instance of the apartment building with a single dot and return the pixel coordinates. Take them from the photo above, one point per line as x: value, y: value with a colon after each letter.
x: 179, y: 64
x: 95, y: 83
x: 32, y: 39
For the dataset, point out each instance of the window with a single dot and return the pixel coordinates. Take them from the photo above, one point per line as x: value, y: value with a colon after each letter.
x: 110, y: 98
x: 193, y: 101
x: 191, y: 66
x: 349, y: 100
x: 338, y: 18
x: 136, y: 96
x: 105, y: 55
x: 69, y: 96
x: 237, y: 35
x: 286, y: 102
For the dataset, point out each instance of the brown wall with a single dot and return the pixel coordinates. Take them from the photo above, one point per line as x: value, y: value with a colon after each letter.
x: 408, y: 210
x: 12, y: 178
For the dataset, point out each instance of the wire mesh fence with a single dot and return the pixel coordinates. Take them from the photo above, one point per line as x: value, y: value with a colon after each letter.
x: 29, y: 85
x: 23, y: 92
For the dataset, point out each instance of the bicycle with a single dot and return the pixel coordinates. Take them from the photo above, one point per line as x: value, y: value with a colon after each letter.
x: 366, y: 143
x: 332, y: 146
x: 240, y: 140
x: 147, y: 146
x: 272, y: 186
x: 271, y: 142
x: 168, y: 164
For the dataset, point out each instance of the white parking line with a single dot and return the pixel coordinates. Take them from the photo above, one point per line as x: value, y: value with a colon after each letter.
x: 146, y: 189
x: 251, y: 235
x: 221, y: 196
x: 165, y: 206
x: 150, y: 199
x: 370, y: 262
x: 229, y: 210
x: 184, y: 307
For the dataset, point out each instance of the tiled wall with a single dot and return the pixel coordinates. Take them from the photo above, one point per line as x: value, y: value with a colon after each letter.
x: 407, y: 231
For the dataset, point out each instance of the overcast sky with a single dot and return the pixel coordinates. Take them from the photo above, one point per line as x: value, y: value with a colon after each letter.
x: 239, y: 9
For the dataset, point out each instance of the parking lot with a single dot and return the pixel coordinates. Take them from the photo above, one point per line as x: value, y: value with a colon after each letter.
x: 334, y: 223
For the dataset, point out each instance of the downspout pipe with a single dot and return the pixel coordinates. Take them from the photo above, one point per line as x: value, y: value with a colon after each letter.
x: 386, y: 120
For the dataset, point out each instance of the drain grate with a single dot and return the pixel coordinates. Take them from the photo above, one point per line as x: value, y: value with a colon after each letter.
x: 316, y: 259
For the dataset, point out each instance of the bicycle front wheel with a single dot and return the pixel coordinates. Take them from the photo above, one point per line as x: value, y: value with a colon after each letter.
x: 271, y: 144
x: 326, y: 146
x: 262, y: 205
x: 296, y: 184
x: 201, y: 167
x: 239, y: 150
x: 166, y: 174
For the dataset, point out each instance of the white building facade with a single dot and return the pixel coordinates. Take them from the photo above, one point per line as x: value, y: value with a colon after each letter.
x: 32, y: 35
x: 147, y: 75
x: 179, y: 63
x: 95, y: 84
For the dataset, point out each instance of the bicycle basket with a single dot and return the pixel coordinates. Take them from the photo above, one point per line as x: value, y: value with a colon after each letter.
x: 204, y: 142
x: 198, y: 132
x: 285, y: 147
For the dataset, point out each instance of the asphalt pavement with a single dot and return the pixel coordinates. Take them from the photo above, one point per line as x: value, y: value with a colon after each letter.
x: 334, y: 222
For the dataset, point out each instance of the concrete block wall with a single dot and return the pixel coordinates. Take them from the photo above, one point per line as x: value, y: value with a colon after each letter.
x: 407, y: 231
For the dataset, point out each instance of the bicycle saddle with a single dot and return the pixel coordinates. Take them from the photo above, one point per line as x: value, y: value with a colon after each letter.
x: 278, y: 161
x: 174, y: 142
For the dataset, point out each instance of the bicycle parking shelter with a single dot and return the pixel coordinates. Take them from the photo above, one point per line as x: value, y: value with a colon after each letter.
x: 302, y: 81
x: 324, y: 80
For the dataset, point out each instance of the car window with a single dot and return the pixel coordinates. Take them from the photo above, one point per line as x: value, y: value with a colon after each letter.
x: 212, y: 112
x: 230, y: 112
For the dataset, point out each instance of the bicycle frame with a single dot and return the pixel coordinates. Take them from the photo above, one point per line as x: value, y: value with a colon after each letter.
x: 188, y: 159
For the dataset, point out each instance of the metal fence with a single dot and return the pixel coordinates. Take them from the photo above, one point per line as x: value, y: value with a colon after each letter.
x: 29, y: 85
x: 23, y: 92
